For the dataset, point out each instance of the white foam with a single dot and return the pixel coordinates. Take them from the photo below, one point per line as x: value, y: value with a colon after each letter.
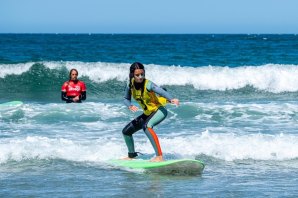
x: 17, y: 69
x: 270, y: 77
x: 274, y: 78
x: 38, y: 147
x: 225, y: 146
x: 229, y: 146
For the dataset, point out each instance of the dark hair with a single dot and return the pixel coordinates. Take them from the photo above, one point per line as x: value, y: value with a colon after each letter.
x: 133, y: 67
x: 72, y: 71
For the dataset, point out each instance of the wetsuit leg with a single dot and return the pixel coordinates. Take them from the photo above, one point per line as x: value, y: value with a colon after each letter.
x: 154, y: 119
x: 130, y: 129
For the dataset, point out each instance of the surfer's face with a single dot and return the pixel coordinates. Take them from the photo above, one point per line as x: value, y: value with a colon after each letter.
x: 74, y: 75
x: 139, y: 75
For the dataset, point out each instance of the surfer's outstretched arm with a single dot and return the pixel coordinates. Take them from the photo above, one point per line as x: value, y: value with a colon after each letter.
x: 162, y: 92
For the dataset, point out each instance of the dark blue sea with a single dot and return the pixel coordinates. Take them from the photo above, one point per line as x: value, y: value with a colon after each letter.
x: 238, y: 114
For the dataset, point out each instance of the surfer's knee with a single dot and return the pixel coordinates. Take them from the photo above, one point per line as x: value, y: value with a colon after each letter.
x: 164, y: 111
x: 145, y: 126
x: 128, y: 129
x: 156, y: 118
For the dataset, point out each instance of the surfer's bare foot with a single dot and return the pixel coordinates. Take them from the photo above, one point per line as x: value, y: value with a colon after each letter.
x: 157, y: 159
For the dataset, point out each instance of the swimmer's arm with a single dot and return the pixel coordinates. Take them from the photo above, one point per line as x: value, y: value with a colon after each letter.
x: 83, y: 95
x: 65, y: 98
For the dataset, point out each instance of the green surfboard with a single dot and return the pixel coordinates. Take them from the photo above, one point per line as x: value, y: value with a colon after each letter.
x: 172, y: 167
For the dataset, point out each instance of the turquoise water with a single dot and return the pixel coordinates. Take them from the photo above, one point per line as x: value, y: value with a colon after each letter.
x: 238, y: 114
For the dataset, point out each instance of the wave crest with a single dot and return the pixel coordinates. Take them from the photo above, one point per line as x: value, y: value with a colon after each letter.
x: 270, y: 77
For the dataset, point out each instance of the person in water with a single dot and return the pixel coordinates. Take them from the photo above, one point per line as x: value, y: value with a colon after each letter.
x: 145, y: 93
x: 73, y: 90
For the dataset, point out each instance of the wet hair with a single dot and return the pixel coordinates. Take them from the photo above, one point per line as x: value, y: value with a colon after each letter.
x: 133, y: 67
x: 72, y: 71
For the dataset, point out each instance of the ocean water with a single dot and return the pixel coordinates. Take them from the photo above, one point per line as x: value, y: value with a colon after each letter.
x: 238, y: 114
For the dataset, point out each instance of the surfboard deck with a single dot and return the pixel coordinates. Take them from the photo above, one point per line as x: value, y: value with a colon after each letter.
x: 11, y: 103
x: 172, y: 167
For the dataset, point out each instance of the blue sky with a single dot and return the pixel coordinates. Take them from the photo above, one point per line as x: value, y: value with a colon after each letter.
x: 154, y: 16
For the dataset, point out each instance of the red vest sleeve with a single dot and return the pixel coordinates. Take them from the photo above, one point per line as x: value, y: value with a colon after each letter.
x: 64, y: 87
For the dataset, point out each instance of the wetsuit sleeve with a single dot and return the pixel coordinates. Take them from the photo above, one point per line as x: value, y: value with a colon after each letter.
x: 83, y: 95
x: 65, y: 98
x: 160, y: 91
x: 83, y: 86
x: 127, y: 96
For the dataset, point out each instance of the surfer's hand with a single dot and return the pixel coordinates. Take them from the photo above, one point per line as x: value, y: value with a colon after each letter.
x: 76, y: 99
x: 175, y: 101
x: 133, y: 108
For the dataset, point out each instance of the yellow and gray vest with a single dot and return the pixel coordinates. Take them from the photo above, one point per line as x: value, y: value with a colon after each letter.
x: 148, y: 100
